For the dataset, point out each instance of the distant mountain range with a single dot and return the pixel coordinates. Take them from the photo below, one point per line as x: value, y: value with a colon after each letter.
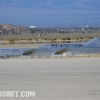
x: 12, y: 29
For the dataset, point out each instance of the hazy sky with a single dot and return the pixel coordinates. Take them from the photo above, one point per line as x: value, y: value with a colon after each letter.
x: 50, y: 13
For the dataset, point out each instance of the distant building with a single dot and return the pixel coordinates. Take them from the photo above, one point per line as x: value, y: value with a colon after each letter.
x: 32, y: 26
x: 87, y: 26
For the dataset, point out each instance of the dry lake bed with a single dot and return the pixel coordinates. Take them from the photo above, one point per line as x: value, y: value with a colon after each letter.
x: 75, y: 78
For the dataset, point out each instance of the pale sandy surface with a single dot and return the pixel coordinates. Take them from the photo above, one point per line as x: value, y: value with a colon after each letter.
x: 52, y: 78
x: 20, y: 45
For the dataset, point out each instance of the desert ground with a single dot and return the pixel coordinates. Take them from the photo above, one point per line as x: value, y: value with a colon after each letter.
x: 72, y: 78
x: 20, y: 45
